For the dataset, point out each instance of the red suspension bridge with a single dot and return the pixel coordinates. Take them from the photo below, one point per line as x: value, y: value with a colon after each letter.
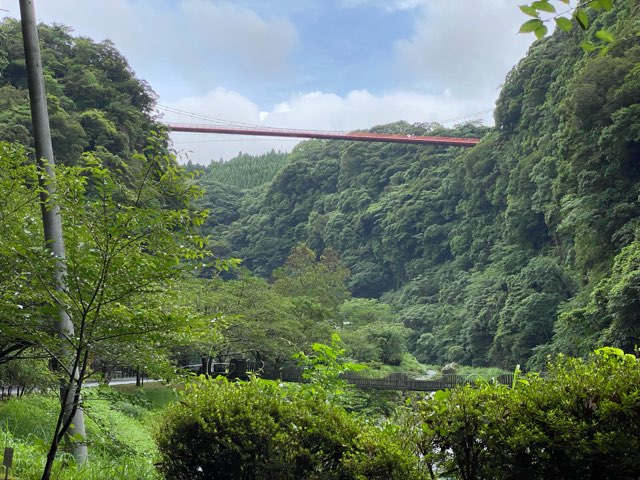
x: 354, y: 136
x: 230, y: 128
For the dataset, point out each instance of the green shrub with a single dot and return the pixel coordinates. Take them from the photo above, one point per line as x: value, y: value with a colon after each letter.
x: 381, y: 454
x: 260, y: 430
x: 581, y: 421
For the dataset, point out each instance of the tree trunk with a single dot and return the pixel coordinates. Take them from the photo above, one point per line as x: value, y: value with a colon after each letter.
x: 51, y: 221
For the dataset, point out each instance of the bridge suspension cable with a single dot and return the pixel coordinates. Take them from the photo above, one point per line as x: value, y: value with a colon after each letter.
x: 219, y: 126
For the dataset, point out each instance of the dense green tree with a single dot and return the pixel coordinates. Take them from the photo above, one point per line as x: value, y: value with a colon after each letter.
x: 372, y: 331
x: 123, y: 247
x: 256, y: 322
x: 261, y: 430
x: 323, y: 279
x: 21, y: 229
x: 93, y: 95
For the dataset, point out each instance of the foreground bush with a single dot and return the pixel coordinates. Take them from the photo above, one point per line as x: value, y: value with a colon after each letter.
x: 260, y: 430
x: 581, y: 421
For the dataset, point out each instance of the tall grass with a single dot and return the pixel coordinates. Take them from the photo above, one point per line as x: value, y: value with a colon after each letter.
x: 118, y: 434
x: 153, y: 395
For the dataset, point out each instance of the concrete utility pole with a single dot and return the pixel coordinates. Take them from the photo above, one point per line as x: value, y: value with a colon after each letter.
x: 51, y: 212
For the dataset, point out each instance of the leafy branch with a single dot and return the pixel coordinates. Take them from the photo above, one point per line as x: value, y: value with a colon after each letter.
x: 578, y: 15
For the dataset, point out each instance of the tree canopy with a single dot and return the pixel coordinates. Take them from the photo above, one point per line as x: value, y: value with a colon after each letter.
x: 95, y: 101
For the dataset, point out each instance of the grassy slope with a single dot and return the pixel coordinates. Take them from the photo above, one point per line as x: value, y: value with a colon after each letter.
x: 119, y: 430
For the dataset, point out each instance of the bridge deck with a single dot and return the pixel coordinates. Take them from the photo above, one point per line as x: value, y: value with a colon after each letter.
x: 352, y: 136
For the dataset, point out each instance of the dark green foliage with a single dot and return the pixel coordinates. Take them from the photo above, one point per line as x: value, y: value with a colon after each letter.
x: 230, y: 188
x: 480, y: 251
x: 246, y: 171
x: 580, y: 421
x: 258, y: 430
x: 94, y: 98
x: 610, y: 316
x: 372, y: 332
x: 220, y: 200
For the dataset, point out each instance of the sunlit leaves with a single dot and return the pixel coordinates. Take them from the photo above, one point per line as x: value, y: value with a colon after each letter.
x: 564, y: 23
x: 543, y: 6
x: 579, y: 15
x: 224, y: 265
x: 531, y: 26
x: 601, y: 5
x: 588, y: 46
x: 606, y: 4
x: 23, y: 258
x: 528, y: 10
x: 541, y: 32
x: 605, y: 36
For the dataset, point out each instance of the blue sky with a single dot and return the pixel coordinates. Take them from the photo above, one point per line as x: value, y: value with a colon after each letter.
x: 322, y: 64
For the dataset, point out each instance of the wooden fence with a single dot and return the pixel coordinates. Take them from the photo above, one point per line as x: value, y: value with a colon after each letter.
x: 394, y: 381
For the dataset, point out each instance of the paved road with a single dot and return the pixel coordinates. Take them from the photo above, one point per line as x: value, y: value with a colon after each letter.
x: 120, y: 381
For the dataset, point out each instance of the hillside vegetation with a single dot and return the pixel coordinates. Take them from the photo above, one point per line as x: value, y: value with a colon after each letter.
x: 245, y: 171
x: 95, y: 101
x: 522, y: 246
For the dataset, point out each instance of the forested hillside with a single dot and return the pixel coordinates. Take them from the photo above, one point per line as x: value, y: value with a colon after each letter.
x: 522, y: 246
x: 245, y: 171
x: 95, y: 101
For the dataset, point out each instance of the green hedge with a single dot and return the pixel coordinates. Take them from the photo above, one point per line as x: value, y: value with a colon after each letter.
x: 261, y: 430
x: 580, y: 421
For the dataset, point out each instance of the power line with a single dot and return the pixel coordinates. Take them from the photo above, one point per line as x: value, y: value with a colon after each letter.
x: 478, y: 115
x: 201, y: 117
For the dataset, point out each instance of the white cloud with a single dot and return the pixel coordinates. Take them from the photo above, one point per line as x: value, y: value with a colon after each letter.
x: 466, y: 46
x: 185, y: 45
x: 359, y: 109
x: 390, y: 6
x: 261, y: 45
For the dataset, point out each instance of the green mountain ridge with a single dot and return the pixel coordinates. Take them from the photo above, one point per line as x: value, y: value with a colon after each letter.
x: 523, y: 246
